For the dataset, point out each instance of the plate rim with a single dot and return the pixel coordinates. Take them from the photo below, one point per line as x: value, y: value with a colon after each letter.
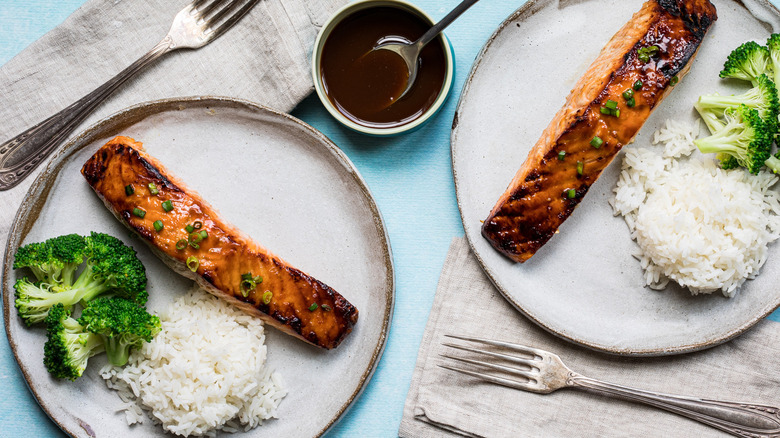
x: 529, y: 9
x: 36, y: 195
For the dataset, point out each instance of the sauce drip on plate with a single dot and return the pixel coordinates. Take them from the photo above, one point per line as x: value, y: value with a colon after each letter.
x: 364, y: 85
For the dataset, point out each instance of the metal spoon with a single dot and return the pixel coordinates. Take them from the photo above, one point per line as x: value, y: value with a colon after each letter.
x: 410, y: 52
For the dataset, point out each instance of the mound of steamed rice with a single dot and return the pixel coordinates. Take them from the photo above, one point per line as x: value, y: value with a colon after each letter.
x: 699, y: 225
x: 205, y: 371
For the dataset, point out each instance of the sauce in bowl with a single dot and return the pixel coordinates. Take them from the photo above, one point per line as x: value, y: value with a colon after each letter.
x: 363, y: 85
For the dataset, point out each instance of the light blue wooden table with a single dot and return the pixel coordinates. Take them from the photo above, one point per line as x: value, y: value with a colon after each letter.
x: 410, y: 177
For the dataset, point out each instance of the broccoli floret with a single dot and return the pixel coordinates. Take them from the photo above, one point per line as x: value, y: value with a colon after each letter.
x: 111, y: 266
x: 121, y: 324
x: 762, y: 98
x: 68, y: 346
x: 744, y: 138
x: 54, y: 261
x: 773, y: 45
x: 747, y: 62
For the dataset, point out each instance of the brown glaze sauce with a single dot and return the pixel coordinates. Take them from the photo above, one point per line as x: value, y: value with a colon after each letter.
x: 363, y: 85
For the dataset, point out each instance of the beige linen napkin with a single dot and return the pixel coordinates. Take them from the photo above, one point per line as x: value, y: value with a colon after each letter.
x: 442, y: 403
x: 264, y: 58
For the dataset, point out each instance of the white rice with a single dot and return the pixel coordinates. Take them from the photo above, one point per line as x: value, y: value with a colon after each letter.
x: 204, y: 372
x: 701, y: 226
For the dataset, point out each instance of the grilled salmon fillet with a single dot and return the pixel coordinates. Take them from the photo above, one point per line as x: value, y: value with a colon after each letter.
x: 644, y: 60
x: 229, y: 264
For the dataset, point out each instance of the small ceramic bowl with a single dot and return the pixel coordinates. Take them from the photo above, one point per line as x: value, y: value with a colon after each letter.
x: 347, y: 11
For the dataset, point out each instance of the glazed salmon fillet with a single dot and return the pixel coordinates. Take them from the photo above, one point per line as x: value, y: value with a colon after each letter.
x: 229, y: 264
x: 637, y: 68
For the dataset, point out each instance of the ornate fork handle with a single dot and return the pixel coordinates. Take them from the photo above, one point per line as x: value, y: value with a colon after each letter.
x: 740, y: 419
x: 21, y: 154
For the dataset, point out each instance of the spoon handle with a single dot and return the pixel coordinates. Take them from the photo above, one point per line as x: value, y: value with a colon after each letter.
x: 444, y: 22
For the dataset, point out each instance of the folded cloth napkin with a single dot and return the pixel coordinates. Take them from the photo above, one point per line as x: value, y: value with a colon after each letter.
x: 442, y: 403
x: 264, y: 58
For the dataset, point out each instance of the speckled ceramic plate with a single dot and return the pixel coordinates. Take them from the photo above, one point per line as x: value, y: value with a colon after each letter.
x: 275, y: 178
x: 584, y: 285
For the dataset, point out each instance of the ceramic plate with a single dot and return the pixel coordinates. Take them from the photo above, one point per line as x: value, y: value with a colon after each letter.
x: 275, y: 178
x: 584, y: 285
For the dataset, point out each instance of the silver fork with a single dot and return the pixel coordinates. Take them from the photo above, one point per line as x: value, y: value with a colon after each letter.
x: 544, y: 372
x: 196, y: 25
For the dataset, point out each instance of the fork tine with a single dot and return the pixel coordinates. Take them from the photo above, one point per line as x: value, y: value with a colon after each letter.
x: 524, y: 374
x: 527, y: 362
x: 196, y: 3
x: 224, y: 12
x: 207, y: 10
x: 516, y: 347
x: 228, y: 23
x: 492, y: 379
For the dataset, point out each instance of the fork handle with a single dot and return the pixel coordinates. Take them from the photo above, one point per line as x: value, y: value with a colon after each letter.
x: 21, y: 155
x: 739, y: 419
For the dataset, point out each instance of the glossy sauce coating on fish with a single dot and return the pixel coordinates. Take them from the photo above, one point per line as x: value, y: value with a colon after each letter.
x: 224, y: 255
x: 549, y: 185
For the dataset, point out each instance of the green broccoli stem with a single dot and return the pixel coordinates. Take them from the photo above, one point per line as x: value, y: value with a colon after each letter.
x: 719, y: 142
x: 117, y: 351
x: 773, y: 163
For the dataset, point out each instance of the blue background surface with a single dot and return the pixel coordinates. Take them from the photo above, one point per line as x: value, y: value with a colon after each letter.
x: 410, y: 177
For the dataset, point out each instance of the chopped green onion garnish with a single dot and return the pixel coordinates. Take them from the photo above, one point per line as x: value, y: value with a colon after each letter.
x: 129, y: 190
x: 138, y: 212
x: 631, y: 103
x: 203, y: 234
x: 313, y: 307
x: 153, y: 188
x: 267, y: 295
x: 561, y: 155
x: 580, y: 167
x: 628, y: 94
x: 194, y: 237
x: 247, y: 284
x: 674, y: 81
x: 605, y: 110
x: 644, y: 57
x: 167, y: 205
x: 258, y: 279
x: 638, y: 85
x: 571, y: 193
x: 616, y: 113
x: 596, y: 142
x: 193, y: 263
x: 158, y: 226
x: 611, y: 104
x: 326, y: 307
x: 194, y: 245
x: 246, y: 276
x: 189, y: 228
x: 197, y: 225
x: 181, y: 244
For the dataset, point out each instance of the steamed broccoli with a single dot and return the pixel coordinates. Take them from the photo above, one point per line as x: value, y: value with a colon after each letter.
x: 68, y: 345
x: 744, y: 140
x: 762, y: 98
x: 111, y: 266
x: 747, y: 62
x: 121, y: 324
x: 773, y: 45
x: 54, y: 261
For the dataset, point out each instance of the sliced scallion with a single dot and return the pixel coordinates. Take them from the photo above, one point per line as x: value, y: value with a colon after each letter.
x: 197, y: 225
x: 580, y: 167
x: 129, y: 189
x: 638, y: 85
x: 267, y: 295
x: 326, y: 307
x: 571, y: 193
x: 189, y: 228
x: 674, y: 81
x: 193, y: 263
x: 153, y: 188
x: 181, y: 244
x: 611, y: 104
x: 139, y: 212
x: 596, y: 142
x: 167, y: 205
x: 631, y: 103
x: 313, y: 307
x: 158, y: 226
x: 203, y: 234
x: 628, y: 94
x: 561, y: 155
